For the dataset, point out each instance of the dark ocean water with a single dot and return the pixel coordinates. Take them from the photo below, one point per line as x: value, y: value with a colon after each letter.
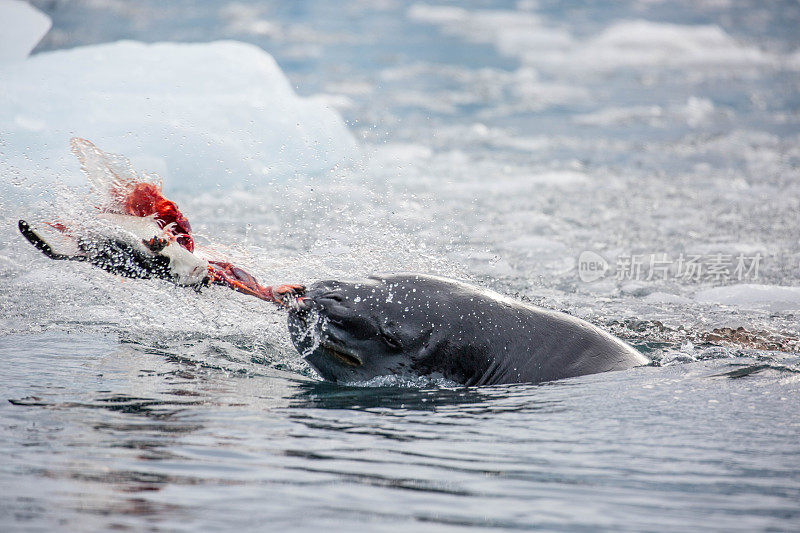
x: 104, y: 434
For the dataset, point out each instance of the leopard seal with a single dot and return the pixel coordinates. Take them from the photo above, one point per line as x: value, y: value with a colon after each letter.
x: 415, y: 325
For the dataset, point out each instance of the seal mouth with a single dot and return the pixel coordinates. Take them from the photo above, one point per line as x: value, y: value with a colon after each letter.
x: 342, y: 356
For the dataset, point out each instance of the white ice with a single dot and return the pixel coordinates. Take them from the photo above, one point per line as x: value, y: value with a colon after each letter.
x: 204, y: 115
x: 695, y: 112
x: 752, y: 296
x: 22, y: 26
x: 624, y: 44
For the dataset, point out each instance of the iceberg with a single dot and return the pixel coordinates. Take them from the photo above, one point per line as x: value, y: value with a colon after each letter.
x: 202, y: 115
x: 22, y: 26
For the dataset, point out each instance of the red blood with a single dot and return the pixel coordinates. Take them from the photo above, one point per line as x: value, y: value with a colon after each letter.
x: 58, y: 225
x: 145, y: 199
x: 223, y: 273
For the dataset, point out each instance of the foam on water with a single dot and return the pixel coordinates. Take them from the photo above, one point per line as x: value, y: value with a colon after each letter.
x: 412, y: 382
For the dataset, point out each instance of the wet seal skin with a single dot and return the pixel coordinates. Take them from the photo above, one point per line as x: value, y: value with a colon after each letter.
x: 415, y: 325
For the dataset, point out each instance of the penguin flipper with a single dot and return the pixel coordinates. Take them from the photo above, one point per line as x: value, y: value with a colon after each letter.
x: 40, y: 244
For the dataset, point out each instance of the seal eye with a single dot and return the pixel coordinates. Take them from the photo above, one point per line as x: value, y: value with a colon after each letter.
x: 391, y: 342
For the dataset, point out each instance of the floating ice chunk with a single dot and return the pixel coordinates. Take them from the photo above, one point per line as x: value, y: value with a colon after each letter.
x: 437, y: 14
x: 665, y: 298
x: 615, y: 116
x: 511, y: 32
x: 247, y: 19
x: 625, y: 44
x: 793, y: 60
x: 201, y: 115
x: 642, y: 43
x: 636, y: 288
x: 752, y: 296
x: 694, y: 112
x: 22, y: 26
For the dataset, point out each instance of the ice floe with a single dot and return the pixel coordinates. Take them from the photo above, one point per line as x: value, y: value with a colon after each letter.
x: 752, y: 296
x: 624, y: 44
x: 22, y: 26
x: 694, y: 112
x: 210, y: 115
x: 639, y: 43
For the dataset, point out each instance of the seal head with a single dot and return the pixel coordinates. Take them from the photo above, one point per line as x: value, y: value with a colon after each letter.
x: 355, y: 330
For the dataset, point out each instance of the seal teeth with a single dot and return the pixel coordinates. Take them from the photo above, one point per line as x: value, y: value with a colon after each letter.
x: 303, y: 303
